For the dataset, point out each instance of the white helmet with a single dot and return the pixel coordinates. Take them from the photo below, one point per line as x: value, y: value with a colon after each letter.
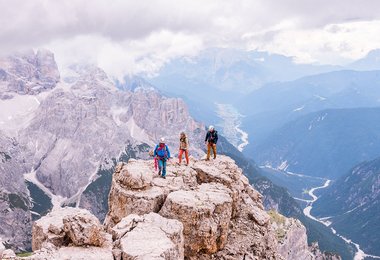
x: 162, y: 140
x: 211, y: 128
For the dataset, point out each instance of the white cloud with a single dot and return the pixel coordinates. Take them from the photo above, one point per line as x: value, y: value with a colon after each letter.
x: 124, y: 36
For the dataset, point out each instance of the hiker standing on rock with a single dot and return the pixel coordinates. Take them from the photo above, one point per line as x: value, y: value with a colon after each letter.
x: 183, y: 148
x: 211, y: 140
x: 162, y: 154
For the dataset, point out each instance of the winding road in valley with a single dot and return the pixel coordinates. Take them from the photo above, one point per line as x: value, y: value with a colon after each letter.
x: 360, y: 254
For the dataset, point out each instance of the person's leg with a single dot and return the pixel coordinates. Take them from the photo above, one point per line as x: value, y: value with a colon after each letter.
x: 160, y: 166
x: 164, y: 168
x: 187, y: 156
x: 180, y: 156
x: 208, y: 151
x: 214, y: 150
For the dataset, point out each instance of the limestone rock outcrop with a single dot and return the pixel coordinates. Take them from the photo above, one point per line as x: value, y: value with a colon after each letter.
x: 149, y: 237
x: 83, y: 229
x: 70, y: 233
x: 292, y: 240
x: 68, y: 226
x: 205, y: 213
x: 222, y: 215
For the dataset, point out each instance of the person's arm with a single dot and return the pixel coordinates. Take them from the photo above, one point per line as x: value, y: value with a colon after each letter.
x: 216, y: 137
x: 206, y: 137
x: 167, y: 149
x: 155, y: 151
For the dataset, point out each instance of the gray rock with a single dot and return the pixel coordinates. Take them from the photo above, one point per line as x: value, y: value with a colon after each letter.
x: 67, y: 226
x: 83, y: 228
x: 153, y: 238
x: 8, y: 254
x: 205, y: 214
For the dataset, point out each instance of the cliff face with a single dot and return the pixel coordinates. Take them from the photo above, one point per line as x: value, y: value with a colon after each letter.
x: 27, y: 73
x: 15, y: 220
x: 220, y: 212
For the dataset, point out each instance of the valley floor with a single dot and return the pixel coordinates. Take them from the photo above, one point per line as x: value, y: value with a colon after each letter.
x: 360, y: 254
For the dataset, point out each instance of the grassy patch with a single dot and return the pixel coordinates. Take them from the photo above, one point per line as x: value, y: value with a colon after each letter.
x: 24, y: 254
x: 277, y: 218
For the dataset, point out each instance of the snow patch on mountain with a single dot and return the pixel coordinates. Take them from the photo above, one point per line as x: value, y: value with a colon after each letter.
x: 299, y: 108
x: 17, y: 113
x: 56, y: 200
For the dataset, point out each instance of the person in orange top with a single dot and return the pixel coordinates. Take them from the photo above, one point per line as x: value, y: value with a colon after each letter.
x: 183, y: 148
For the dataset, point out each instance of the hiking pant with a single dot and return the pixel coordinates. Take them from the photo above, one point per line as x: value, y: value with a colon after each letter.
x: 209, y: 146
x: 162, y: 167
x: 181, y: 151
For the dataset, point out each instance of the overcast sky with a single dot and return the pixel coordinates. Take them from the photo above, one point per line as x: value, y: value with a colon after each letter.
x: 123, y: 36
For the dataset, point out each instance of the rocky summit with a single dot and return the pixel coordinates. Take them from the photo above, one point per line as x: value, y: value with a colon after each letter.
x: 207, y: 210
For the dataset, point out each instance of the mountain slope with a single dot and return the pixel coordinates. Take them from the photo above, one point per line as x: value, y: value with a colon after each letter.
x: 353, y: 205
x: 69, y: 135
x: 325, y: 144
x: 278, y: 198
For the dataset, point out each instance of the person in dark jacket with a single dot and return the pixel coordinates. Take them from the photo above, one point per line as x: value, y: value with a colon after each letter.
x: 211, y: 140
x: 162, y: 154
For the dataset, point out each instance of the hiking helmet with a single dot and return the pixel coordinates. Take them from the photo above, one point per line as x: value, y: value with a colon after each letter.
x: 162, y: 140
x: 211, y: 128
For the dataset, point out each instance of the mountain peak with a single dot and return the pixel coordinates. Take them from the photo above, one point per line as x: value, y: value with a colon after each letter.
x: 28, y: 73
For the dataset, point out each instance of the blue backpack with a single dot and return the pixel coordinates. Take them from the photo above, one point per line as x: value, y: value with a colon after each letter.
x: 162, y: 152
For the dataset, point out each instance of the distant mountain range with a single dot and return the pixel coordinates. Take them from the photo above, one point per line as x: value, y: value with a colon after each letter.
x: 225, y: 76
x: 325, y: 143
x: 352, y: 204
x: 278, y: 103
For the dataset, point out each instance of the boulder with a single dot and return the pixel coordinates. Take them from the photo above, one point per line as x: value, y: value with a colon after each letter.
x: 8, y: 254
x: 135, y: 175
x: 205, y: 214
x: 67, y: 225
x: 150, y: 237
x: 50, y: 228
x: 77, y: 253
x: 83, y: 228
x: 125, y: 225
x: 123, y: 202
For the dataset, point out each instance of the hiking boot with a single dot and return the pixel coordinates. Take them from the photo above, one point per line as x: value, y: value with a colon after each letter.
x: 164, y: 177
x: 207, y: 159
x: 159, y: 172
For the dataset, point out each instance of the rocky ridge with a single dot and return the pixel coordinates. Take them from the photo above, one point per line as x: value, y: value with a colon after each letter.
x: 207, y: 210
